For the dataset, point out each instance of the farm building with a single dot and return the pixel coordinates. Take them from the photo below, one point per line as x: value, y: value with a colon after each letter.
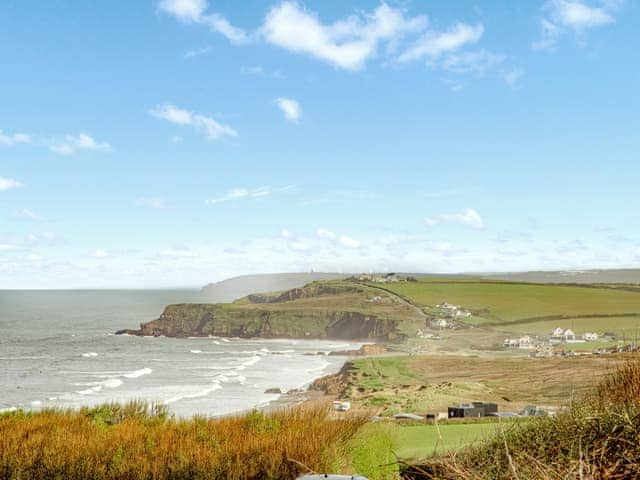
x: 473, y: 410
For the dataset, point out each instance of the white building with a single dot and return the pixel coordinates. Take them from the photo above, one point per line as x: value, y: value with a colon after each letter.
x: 591, y: 336
x: 439, y: 323
x: 525, y: 342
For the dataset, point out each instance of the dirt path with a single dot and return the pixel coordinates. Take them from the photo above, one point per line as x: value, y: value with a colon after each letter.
x: 397, y: 297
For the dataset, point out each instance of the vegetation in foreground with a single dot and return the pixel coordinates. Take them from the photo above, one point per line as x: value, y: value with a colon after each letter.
x: 138, y: 442
x: 596, y: 438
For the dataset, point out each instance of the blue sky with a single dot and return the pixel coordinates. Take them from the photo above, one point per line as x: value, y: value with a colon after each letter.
x: 177, y: 142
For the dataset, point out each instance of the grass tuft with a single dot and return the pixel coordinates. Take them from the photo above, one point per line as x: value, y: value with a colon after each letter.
x: 596, y: 438
x: 141, y: 441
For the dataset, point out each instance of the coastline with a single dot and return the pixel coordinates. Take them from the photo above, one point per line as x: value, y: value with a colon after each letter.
x: 327, y: 388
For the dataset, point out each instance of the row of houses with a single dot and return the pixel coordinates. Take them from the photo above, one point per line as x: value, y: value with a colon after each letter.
x: 558, y: 336
x: 490, y: 409
x: 384, y: 278
x: 454, y: 311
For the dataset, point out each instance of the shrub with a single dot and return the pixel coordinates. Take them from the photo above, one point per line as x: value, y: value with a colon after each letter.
x: 141, y: 441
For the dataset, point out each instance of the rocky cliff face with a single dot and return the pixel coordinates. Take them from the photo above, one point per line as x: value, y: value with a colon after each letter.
x: 320, y: 310
x: 203, y: 320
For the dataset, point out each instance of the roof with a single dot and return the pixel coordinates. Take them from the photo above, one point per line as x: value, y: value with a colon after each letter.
x: 407, y: 416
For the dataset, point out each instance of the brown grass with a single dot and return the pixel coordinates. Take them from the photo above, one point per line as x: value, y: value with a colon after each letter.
x: 596, y: 438
x: 138, y: 442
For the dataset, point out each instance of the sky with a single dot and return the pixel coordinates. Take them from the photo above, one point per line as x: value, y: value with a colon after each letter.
x: 174, y: 143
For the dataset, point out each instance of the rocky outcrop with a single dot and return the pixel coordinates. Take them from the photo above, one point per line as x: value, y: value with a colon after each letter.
x: 335, y: 384
x: 192, y: 320
x: 337, y: 310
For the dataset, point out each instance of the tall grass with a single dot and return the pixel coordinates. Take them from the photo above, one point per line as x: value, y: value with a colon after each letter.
x: 596, y: 438
x: 139, y: 441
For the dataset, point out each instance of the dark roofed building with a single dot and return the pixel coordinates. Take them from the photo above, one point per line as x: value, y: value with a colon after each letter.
x: 473, y: 410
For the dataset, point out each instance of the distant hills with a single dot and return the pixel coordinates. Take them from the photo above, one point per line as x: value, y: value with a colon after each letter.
x: 627, y: 276
x: 237, y: 287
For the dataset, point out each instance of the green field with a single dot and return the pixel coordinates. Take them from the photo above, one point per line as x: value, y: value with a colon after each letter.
x: 628, y: 327
x: 502, y: 301
x: 411, y: 442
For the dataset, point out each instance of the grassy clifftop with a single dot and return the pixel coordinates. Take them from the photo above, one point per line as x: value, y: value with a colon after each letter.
x: 325, y: 309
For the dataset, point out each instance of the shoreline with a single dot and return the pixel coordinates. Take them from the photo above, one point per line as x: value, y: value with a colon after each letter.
x: 326, y: 388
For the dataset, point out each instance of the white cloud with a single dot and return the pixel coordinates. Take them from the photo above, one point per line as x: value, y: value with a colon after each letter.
x: 284, y: 233
x: 151, y: 202
x: 468, y: 217
x: 433, y: 45
x: 511, y: 77
x: 471, y: 62
x: 255, y: 70
x: 99, y: 253
x: 71, y: 144
x: 575, y: 15
x: 9, y: 184
x: 177, y: 252
x: 291, y: 109
x: 323, y: 233
x: 193, y: 11
x: 349, y: 242
x: 176, y: 139
x: 212, y: 129
x: 299, y: 246
x: 196, y: 52
x: 238, y: 193
x: 184, y: 10
x: 9, y: 140
x: 430, y: 222
x: 347, y: 43
x: 578, y: 15
x: 28, y: 214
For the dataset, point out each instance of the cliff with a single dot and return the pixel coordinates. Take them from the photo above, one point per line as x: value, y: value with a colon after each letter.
x: 321, y: 310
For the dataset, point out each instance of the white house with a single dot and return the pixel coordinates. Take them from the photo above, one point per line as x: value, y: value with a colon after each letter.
x: 523, y: 342
x: 591, y: 336
x: 558, y: 332
x: 439, y: 323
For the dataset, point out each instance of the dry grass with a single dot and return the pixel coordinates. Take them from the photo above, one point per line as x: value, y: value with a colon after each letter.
x: 596, y: 438
x: 139, y: 442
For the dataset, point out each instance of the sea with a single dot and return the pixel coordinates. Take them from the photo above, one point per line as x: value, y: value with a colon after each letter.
x: 58, y: 349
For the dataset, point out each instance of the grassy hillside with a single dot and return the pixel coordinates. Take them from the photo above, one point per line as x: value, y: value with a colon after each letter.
x: 598, y: 437
x: 421, y: 384
x: 497, y: 302
x: 328, y: 309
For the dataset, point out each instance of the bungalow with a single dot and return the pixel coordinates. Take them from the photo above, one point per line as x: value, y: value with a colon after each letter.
x: 591, y: 336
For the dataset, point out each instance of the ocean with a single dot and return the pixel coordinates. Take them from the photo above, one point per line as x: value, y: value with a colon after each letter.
x: 57, y: 349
